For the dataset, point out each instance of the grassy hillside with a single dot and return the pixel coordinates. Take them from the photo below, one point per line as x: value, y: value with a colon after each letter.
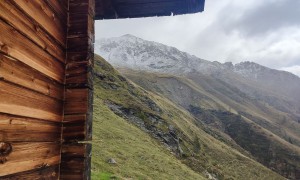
x: 268, y: 134
x: 150, y: 137
x: 138, y: 156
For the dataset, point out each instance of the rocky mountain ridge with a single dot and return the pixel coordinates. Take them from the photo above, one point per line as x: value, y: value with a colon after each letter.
x: 133, y: 52
x: 251, y: 78
x: 231, y: 99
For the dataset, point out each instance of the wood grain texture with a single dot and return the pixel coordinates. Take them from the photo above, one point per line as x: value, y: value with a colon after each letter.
x: 78, y: 130
x: 77, y: 127
x: 21, y: 129
x: 113, y: 9
x: 45, y: 173
x: 81, y: 25
x: 29, y: 156
x: 45, y: 16
x: 80, y: 44
x: 29, y: 53
x: 78, y: 105
x: 18, y: 73
x: 76, y: 161
x: 31, y: 29
x: 79, y: 74
x: 82, y: 7
x: 60, y: 8
x: 77, y: 124
x: 80, y: 56
x: 32, y: 78
x: 23, y: 102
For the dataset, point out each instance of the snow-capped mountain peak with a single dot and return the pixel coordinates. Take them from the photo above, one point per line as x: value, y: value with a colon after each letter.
x: 133, y: 52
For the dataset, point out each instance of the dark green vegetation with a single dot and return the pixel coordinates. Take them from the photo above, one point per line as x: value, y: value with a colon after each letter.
x: 151, y: 137
x: 258, y: 128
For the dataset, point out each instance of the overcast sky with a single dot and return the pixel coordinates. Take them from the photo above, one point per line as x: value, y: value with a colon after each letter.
x: 264, y: 31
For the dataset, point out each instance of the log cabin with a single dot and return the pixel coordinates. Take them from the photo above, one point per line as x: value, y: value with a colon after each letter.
x: 46, y: 80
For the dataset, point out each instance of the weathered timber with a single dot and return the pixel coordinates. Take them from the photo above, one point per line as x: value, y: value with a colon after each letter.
x: 76, y: 101
x: 31, y: 29
x: 59, y: 7
x: 79, y: 74
x: 76, y: 95
x: 75, y: 160
x: 76, y: 44
x: 29, y: 53
x: 28, y: 156
x: 32, y: 77
x: 23, y: 102
x: 77, y: 127
x: 45, y: 173
x: 16, y: 72
x: 78, y: 92
x: 40, y: 12
x: 82, y: 7
x: 46, y: 61
x: 111, y: 9
x: 77, y: 122
x: 21, y: 129
x: 81, y: 25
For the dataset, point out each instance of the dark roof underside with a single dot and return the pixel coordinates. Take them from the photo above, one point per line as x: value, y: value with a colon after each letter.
x: 113, y: 9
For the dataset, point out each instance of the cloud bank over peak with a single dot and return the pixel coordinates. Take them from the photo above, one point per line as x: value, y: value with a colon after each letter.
x: 266, y: 32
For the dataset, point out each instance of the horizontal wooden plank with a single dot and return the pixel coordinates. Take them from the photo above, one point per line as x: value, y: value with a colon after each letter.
x: 29, y: 156
x: 59, y: 7
x: 79, y: 107
x: 81, y: 25
x: 31, y: 30
x: 82, y: 7
x: 79, y: 74
x: 40, y: 12
x: 79, y: 150
x: 76, y: 131
x: 76, y: 68
x: 76, y: 95
x: 80, y: 56
x: 51, y: 172
x: 20, y: 129
x: 76, y: 161
x: 29, y: 53
x: 75, y: 118
x: 16, y: 72
x: 77, y: 127
x: 23, y: 102
x: 80, y: 44
x: 78, y: 101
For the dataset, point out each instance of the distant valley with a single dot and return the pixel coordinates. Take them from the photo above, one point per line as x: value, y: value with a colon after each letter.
x: 252, y: 109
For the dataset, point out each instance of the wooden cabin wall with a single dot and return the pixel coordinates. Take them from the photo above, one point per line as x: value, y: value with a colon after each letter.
x: 46, y: 89
x: 78, y: 105
x: 32, y: 74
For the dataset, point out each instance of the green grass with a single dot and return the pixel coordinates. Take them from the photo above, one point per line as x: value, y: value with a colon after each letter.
x: 268, y: 134
x: 102, y: 176
x: 140, y: 156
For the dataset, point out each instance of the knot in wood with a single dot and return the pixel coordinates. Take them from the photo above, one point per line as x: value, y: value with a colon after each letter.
x: 5, y: 149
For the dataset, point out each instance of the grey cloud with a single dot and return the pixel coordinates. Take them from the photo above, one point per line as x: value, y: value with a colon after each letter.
x: 265, y: 18
x: 266, y: 31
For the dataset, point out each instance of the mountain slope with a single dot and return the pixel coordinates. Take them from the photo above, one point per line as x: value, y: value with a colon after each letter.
x: 249, y: 107
x: 274, y: 136
x: 152, y: 138
x: 277, y: 88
